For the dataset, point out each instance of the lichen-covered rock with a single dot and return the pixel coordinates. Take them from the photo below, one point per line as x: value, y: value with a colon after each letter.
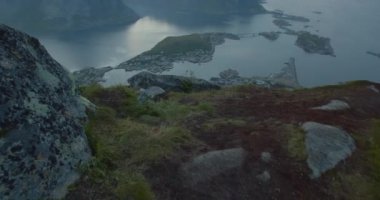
x: 41, y: 116
x: 288, y: 75
x: 326, y: 146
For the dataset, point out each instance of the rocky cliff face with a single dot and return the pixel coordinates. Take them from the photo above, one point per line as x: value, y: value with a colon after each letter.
x: 42, y: 140
x: 65, y: 14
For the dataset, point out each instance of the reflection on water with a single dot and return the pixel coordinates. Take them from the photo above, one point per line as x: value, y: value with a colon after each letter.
x: 352, y: 26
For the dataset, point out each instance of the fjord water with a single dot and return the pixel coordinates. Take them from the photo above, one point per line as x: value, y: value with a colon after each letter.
x: 352, y: 25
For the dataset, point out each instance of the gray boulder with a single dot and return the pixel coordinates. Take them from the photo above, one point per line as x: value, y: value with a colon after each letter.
x: 151, y: 93
x: 374, y: 89
x: 264, y: 177
x: 42, y: 140
x: 266, y: 157
x: 333, y: 105
x: 170, y: 82
x: 208, y: 165
x: 326, y: 146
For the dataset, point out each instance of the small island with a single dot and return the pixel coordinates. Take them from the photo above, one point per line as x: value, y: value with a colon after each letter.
x: 373, y: 54
x: 312, y: 43
x: 272, y: 36
x: 194, y: 48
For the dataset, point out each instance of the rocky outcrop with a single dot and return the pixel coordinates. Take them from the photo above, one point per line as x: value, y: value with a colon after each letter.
x: 287, y: 78
x: 170, y: 82
x: 90, y: 75
x: 334, y: 105
x: 41, y: 120
x: 63, y: 15
x: 326, y: 146
x: 315, y: 44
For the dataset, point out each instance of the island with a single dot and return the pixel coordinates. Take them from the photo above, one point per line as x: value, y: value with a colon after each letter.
x: 286, y: 78
x: 312, y: 43
x: 272, y: 36
x: 373, y: 54
x: 194, y: 48
x: 281, y: 15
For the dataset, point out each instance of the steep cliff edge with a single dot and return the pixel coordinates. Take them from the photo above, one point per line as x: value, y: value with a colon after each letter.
x: 42, y: 141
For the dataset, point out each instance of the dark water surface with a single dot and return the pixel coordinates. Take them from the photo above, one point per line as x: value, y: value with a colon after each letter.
x: 352, y: 25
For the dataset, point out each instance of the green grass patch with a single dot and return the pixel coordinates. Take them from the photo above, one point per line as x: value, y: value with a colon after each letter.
x: 213, y: 124
x: 124, y: 148
x: 296, y: 142
x: 133, y: 186
x: 122, y: 99
x: 373, y: 154
x: 352, y: 187
x: 127, y: 137
x: 364, y: 184
x: 182, y: 44
x: 3, y: 132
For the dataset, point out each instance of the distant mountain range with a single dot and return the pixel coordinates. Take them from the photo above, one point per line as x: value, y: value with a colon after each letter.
x: 203, y: 7
x: 61, y: 15
x: 65, y: 14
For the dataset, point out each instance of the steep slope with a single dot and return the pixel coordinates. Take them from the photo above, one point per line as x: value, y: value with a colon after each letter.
x: 244, y: 142
x: 65, y: 15
x: 42, y: 141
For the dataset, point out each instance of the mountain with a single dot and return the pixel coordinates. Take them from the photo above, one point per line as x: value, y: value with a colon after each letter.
x: 42, y: 139
x: 203, y: 7
x: 60, y: 15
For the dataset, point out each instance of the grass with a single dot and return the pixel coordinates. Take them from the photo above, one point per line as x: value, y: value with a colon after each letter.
x: 296, y: 143
x: 349, y: 84
x: 373, y: 154
x: 215, y: 123
x: 352, y: 187
x: 127, y: 137
x: 123, y: 100
x: 3, y: 132
x: 182, y: 44
x: 365, y: 182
